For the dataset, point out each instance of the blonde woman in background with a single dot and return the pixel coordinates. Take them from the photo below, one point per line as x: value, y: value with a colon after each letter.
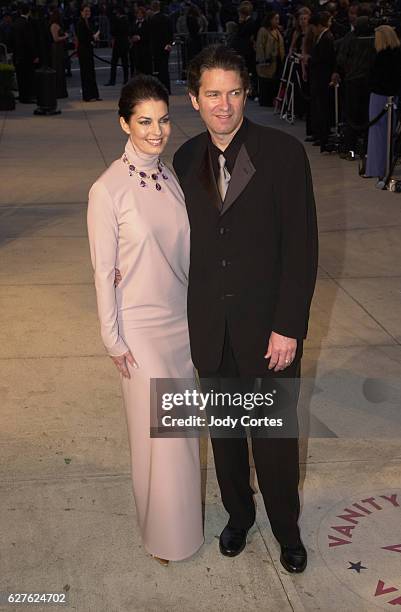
x: 385, y: 81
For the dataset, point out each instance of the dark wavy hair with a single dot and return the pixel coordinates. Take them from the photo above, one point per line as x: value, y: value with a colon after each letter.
x: 215, y: 56
x: 142, y: 87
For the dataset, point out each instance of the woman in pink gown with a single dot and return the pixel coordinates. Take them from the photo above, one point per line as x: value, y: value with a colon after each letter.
x: 137, y: 222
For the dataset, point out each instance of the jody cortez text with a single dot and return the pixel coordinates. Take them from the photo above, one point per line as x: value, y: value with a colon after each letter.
x: 202, y: 400
x: 228, y: 421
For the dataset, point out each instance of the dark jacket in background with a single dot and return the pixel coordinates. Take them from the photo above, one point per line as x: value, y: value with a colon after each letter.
x: 120, y: 30
x: 322, y: 62
x: 357, y: 52
x: 25, y: 46
x: 86, y: 61
x: 386, y: 73
x: 140, y: 52
x: 161, y: 34
x: 25, y: 51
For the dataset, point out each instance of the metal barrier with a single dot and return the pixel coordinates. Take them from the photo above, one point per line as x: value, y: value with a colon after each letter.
x: 284, y: 101
x: 388, y: 182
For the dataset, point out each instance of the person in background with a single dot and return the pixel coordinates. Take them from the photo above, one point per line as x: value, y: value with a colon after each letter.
x: 355, y: 59
x: 228, y: 12
x: 231, y: 32
x: 86, y: 40
x: 337, y: 28
x: 212, y: 9
x: 269, y: 58
x: 161, y: 41
x: 244, y: 42
x: 385, y: 81
x: 6, y: 31
x: 322, y: 64
x: 25, y: 56
x: 120, y: 45
x: 193, y: 23
x: 301, y: 91
x: 59, y: 39
x: 104, y: 26
x: 342, y: 12
x: 140, y: 52
x: 301, y: 26
x: 283, y: 8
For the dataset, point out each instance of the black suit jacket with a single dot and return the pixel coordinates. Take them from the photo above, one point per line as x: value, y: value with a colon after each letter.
x: 253, y: 264
x: 161, y: 33
x: 24, y: 41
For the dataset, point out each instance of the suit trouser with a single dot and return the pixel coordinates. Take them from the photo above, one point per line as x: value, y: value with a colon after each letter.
x: 276, y: 462
x: 357, y: 96
x: 160, y: 66
x: 25, y: 72
x: 119, y: 51
x: 320, y: 110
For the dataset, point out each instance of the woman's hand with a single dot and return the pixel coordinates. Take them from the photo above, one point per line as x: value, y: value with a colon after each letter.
x: 281, y: 351
x: 117, y: 277
x: 121, y: 362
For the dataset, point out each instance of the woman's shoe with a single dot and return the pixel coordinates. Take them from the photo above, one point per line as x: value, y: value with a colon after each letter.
x: 164, y: 562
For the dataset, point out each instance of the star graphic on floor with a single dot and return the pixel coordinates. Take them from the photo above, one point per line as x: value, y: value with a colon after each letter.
x: 356, y: 566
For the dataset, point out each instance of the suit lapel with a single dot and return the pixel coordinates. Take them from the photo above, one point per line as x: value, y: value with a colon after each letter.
x: 243, y: 171
x: 206, y: 176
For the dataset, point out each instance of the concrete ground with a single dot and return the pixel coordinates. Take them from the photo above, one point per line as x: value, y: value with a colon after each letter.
x: 67, y: 512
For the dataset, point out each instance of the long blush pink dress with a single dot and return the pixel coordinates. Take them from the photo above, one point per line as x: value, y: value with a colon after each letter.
x: 145, y: 233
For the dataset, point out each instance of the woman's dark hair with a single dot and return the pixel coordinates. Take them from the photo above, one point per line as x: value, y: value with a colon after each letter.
x: 267, y: 21
x: 142, y: 87
x: 215, y: 56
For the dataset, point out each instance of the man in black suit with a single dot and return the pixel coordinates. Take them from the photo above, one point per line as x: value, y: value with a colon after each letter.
x: 26, y: 56
x: 249, y: 196
x: 161, y: 40
x: 120, y: 43
x: 322, y: 65
x: 140, y: 51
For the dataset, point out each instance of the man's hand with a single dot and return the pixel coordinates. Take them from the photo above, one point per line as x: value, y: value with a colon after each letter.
x: 281, y: 351
x: 335, y: 79
x: 121, y: 362
x: 168, y: 48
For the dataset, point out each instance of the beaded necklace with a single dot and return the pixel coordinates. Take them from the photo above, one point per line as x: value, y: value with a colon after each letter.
x: 143, y: 175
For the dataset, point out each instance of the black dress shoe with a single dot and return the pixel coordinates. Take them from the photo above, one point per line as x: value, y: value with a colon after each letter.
x: 109, y: 84
x: 294, y: 558
x: 310, y: 139
x: 232, y: 541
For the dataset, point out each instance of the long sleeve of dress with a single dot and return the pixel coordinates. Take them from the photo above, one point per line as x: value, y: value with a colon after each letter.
x: 103, y: 241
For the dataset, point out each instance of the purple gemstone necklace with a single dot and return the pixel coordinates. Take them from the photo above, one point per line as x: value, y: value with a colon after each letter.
x: 143, y: 175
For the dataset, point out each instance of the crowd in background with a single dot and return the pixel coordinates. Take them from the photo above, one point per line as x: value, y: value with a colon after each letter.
x: 348, y: 43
